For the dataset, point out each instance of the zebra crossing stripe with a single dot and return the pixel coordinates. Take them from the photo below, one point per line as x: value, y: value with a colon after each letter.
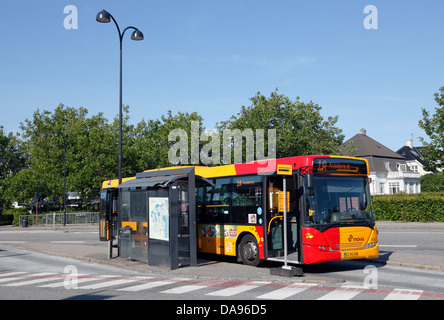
x: 146, y: 286
x: 286, y: 292
x: 342, y: 293
x: 184, y: 289
x: 105, y: 284
x: 3, y: 275
x: 227, y: 292
x: 34, y: 281
x: 404, y: 294
x: 81, y: 278
x: 9, y: 278
x: 25, y: 277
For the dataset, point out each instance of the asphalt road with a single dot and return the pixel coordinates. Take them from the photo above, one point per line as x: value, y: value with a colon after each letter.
x: 26, y: 274
x: 414, y: 238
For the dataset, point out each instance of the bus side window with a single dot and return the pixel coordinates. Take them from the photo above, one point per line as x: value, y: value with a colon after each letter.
x: 247, y: 198
x: 218, y: 200
x: 200, y: 204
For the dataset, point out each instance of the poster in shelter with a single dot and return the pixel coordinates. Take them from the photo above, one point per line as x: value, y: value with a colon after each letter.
x: 159, y: 219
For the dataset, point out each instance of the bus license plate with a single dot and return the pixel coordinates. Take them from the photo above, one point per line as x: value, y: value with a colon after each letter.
x: 351, y: 254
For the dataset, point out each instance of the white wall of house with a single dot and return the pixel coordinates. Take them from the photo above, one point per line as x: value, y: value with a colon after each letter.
x: 395, y: 182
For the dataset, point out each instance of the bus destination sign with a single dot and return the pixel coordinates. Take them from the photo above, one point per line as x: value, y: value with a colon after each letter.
x: 339, y: 166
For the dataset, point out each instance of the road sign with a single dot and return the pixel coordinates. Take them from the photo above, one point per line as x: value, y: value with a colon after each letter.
x: 285, y: 169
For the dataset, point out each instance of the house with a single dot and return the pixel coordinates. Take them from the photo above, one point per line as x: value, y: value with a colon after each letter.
x: 390, y: 173
x: 413, y: 157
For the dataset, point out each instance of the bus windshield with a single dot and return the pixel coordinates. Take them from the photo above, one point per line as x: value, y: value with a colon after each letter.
x: 339, y: 201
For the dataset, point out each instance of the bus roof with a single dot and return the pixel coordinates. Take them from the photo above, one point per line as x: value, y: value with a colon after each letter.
x: 268, y: 166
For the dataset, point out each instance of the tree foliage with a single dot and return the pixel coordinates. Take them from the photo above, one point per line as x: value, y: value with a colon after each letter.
x: 433, y: 182
x: 11, y: 161
x: 90, y: 148
x: 34, y: 161
x: 300, y: 127
x: 433, y: 125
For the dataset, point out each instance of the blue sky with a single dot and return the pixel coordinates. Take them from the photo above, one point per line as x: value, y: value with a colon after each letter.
x: 211, y: 56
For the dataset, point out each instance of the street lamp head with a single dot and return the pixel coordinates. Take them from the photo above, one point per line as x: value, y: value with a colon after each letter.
x: 103, y: 17
x: 137, y: 35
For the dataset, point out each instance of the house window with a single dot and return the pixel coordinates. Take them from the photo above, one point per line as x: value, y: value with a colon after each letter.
x: 393, y: 187
x: 382, y: 188
x: 414, y: 168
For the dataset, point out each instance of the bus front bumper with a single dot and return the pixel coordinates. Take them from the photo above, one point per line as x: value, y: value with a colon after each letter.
x: 318, y: 254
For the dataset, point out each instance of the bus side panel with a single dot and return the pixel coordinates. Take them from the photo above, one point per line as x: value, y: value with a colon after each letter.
x: 222, y: 239
x: 211, y: 238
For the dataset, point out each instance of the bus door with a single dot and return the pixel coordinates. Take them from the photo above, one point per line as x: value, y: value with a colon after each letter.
x: 274, y: 221
x: 108, y: 214
x: 183, y: 225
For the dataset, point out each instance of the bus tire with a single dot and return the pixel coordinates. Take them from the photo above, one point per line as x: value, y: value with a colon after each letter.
x: 249, y: 251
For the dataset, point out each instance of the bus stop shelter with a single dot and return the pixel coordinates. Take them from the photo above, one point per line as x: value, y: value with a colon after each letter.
x: 158, y: 217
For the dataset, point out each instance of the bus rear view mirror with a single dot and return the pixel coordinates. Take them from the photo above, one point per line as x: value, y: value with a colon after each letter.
x: 310, y: 184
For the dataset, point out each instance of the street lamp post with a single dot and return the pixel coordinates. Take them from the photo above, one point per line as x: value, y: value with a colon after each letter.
x: 64, y: 176
x: 105, y: 17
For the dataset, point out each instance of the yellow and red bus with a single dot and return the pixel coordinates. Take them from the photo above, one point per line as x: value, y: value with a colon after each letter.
x: 328, y: 204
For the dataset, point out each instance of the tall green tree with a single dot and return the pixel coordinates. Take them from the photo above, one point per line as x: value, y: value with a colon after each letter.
x: 300, y: 127
x: 90, y: 152
x: 12, y: 160
x: 433, y: 125
x: 90, y: 145
x: 152, y: 139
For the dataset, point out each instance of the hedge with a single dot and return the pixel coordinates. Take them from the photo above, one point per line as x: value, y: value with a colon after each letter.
x: 15, y: 214
x: 424, y: 207
x: 6, y: 219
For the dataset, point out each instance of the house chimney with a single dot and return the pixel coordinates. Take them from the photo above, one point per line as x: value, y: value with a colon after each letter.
x: 410, y: 143
x: 363, y: 132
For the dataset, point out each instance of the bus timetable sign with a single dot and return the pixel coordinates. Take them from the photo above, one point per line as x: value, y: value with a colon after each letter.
x: 285, y: 169
x: 339, y: 166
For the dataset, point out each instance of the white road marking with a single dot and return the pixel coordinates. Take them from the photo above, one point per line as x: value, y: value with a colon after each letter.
x: 286, y: 292
x: 227, y: 292
x: 404, y: 294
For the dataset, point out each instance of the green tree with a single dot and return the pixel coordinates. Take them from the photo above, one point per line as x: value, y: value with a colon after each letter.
x: 90, y: 152
x: 151, y: 138
x: 12, y: 160
x: 300, y: 127
x: 434, y: 128
x: 433, y: 182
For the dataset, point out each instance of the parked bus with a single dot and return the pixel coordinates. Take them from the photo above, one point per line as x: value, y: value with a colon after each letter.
x: 241, y: 214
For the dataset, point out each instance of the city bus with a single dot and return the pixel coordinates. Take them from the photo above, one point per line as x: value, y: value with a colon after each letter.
x: 241, y: 212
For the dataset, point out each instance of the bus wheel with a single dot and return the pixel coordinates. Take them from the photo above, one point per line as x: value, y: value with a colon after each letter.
x: 249, y: 251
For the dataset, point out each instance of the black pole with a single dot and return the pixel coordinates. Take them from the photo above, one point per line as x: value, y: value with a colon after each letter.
x: 64, y: 181
x: 120, y: 116
x: 121, y: 34
x: 105, y: 17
